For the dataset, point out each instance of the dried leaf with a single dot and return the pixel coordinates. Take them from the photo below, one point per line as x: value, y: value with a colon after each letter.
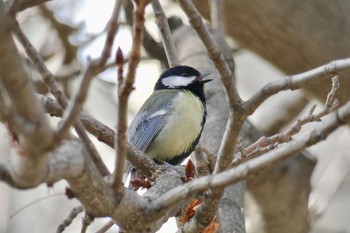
x: 190, y: 171
x: 190, y: 210
x: 139, y: 182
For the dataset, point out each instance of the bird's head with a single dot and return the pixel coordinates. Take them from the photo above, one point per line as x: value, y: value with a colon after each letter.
x: 181, y: 77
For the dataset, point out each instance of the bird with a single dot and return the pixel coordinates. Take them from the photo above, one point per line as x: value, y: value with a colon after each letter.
x: 169, y: 124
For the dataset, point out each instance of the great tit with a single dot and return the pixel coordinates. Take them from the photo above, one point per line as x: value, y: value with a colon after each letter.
x: 169, y: 124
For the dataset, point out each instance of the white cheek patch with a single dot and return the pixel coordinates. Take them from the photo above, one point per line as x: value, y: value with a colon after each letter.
x: 158, y: 113
x: 177, y: 81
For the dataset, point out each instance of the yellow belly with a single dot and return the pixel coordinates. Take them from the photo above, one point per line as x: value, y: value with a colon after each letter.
x: 180, y: 130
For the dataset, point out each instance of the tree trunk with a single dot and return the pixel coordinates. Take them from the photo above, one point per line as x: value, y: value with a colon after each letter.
x: 294, y: 36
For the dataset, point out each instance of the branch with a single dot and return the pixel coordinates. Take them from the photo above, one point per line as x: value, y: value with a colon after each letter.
x: 20, y: 5
x: 294, y: 82
x: 106, y: 227
x: 63, y: 32
x: 93, y: 68
x: 221, y: 180
x: 153, y: 48
x: 167, y: 39
x: 265, y: 144
x: 57, y: 92
x: 214, y: 52
x: 5, y: 175
x: 124, y: 89
x: 104, y: 134
x: 20, y: 93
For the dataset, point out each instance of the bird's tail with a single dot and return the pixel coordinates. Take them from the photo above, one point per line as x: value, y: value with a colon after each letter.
x: 129, y: 169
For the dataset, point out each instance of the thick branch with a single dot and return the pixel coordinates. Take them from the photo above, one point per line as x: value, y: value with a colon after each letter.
x: 20, y: 92
x: 340, y: 117
x: 56, y: 90
x: 294, y: 82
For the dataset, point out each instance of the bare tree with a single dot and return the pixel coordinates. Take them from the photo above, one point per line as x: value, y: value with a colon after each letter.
x: 233, y: 154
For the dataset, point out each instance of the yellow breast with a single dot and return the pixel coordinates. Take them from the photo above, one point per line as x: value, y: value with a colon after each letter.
x: 181, y: 128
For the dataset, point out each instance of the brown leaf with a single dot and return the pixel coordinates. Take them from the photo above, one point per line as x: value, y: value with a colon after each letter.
x: 190, y: 210
x: 139, y: 182
x: 190, y: 171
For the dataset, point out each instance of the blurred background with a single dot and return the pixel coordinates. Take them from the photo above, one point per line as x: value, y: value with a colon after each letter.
x: 79, y: 27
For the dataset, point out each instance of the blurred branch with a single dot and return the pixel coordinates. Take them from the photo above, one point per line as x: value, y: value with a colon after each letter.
x: 57, y: 92
x: 20, y: 5
x: 63, y: 32
x: 5, y: 175
x: 331, y: 179
x: 289, y: 107
x: 19, y: 92
x: 153, y: 48
x: 217, y: 15
x: 93, y: 68
x: 167, y: 39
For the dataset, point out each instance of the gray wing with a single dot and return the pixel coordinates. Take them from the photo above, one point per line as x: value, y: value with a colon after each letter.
x: 146, y: 126
x: 147, y: 123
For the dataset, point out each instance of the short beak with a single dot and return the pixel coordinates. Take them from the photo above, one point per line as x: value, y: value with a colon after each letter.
x: 203, y: 76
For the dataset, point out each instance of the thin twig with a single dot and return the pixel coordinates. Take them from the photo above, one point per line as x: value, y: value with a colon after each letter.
x: 5, y: 175
x: 72, y: 215
x: 152, y: 47
x: 93, y: 68
x: 104, y: 134
x: 265, y: 144
x: 34, y: 202
x: 242, y: 171
x: 331, y: 95
x: 124, y: 89
x: 63, y: 32
x: 167, y: 39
